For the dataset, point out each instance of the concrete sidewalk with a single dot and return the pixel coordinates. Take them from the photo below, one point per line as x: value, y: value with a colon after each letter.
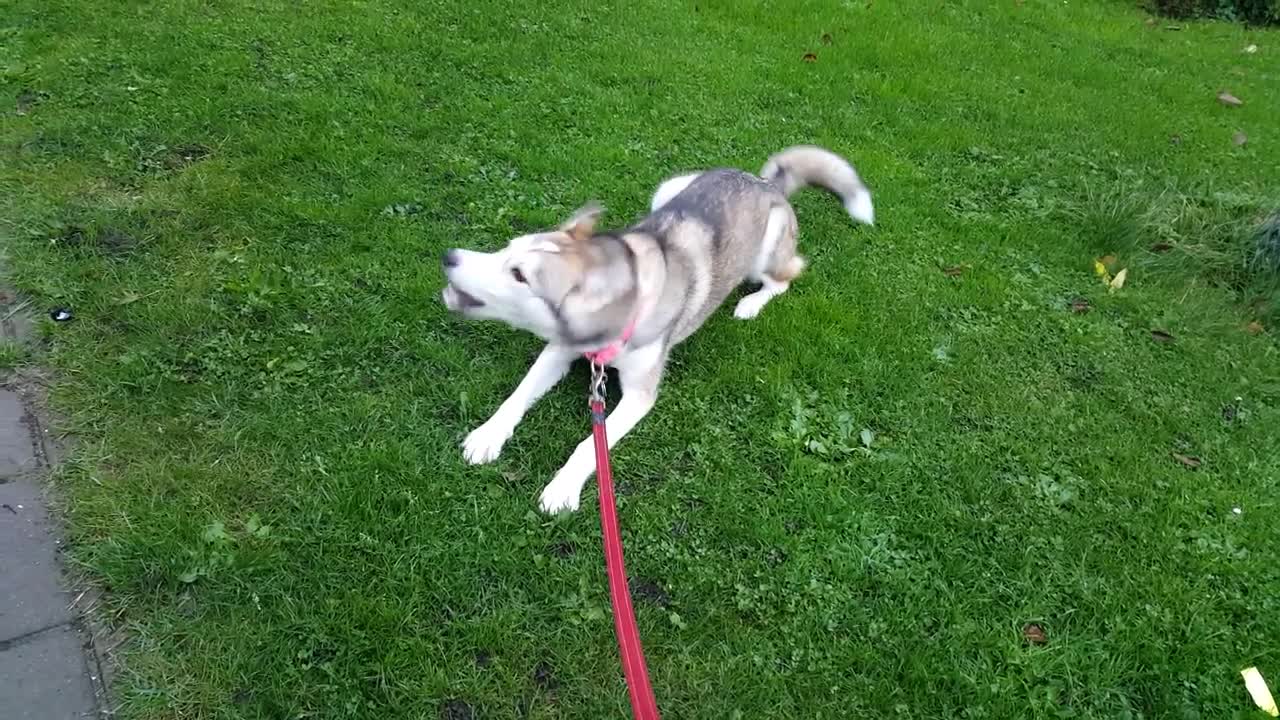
x: 44, y: 674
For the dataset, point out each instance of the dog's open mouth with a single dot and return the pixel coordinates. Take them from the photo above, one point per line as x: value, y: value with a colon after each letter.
x: 459, y: 301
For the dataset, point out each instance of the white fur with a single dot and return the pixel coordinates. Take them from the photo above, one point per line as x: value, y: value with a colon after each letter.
x: 774, y: 227
x: 860, y: 209
x: 670, y: 189
x: 484, y: 444
x: 751, y: 305
x: 639, y: 372
x: 488, y: 278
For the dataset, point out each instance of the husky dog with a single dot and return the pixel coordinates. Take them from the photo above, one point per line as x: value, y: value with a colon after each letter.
x: 626, y: 297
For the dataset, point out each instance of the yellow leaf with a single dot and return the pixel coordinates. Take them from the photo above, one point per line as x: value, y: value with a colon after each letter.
x: 1117, y: 282
x: 1101, y: 270
x: 1259, y: 691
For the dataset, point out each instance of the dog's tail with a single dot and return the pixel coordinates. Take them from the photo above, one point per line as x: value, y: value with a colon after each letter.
x: 802, y: 166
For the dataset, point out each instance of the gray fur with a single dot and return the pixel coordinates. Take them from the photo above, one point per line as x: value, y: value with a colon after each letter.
x: 711, y: 229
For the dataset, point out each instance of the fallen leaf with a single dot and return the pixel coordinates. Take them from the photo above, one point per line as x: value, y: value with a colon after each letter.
x: 1239, y: 138
x: 1259, y: 692
x: 953, y: 271
x: 1254, y: 328
x: 826, y: 38
x: 809, y: 57
x: 1080, y: 306
x: 1034, y: 634
x: 1229, y: 100
x: 1251, y: 49
x: 1161, y: 247
x: 1107, y: 260
x: 1117, y: 282
x: 1161, y: 336
x: 867, y: 436
x: 1101, y: 271
x: 1188, y: 460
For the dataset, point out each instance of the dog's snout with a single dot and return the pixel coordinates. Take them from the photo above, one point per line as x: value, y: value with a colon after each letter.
x: 450, y: 259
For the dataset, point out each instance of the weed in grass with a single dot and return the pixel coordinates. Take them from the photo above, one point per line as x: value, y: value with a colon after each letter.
x: 12, y: 354
x: 1266, y: 249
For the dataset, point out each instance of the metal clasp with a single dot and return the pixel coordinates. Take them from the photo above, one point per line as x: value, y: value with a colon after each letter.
x: 598, y: 379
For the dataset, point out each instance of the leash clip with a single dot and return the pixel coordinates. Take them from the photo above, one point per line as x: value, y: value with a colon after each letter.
x: 598, y: 379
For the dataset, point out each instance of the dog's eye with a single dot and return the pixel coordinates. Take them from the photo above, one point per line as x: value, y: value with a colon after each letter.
x: 518, y: 276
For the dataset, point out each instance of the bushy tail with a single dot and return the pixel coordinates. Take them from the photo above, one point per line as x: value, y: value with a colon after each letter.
x: 803, y: 166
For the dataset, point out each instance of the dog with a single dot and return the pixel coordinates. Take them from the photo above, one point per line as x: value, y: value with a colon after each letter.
x: 625, y: 298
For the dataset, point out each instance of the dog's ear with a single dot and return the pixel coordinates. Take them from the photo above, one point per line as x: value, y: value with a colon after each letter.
x: 583, y: 222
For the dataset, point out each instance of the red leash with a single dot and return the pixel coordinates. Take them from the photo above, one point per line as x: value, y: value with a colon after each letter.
x: 643, y: 705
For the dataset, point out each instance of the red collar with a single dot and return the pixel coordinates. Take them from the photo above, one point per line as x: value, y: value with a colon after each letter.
x: 606, y: 354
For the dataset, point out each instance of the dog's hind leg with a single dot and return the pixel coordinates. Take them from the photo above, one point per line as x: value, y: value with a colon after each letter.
x: 751, y: 305
x: 639, y: 372
x: 776, y: 265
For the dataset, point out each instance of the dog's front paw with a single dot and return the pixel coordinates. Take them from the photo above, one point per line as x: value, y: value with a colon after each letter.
x: 484, y: 444
x: 750, y: 306
x: 560, y: 497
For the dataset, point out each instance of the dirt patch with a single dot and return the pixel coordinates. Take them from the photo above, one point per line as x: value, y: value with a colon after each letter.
x: 184, y: 155
x: 650, y: 592
x: 544, y: 677
x: 456, y: 710
x: 69, y: 236
x: 28, y: 99
x: 113, y: 241
x: 106, y: 240
x: 162, y: 158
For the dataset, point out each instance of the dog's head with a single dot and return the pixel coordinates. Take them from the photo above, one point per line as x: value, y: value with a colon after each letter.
x: 568, y: 286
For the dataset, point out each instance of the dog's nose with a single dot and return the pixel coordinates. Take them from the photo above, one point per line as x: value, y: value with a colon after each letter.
x: 450, y: 259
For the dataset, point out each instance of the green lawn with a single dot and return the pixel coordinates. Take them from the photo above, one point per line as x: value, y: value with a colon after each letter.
x: 244, y: 204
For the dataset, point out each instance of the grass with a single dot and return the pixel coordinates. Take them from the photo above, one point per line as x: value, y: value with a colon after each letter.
x: 244, y: 203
